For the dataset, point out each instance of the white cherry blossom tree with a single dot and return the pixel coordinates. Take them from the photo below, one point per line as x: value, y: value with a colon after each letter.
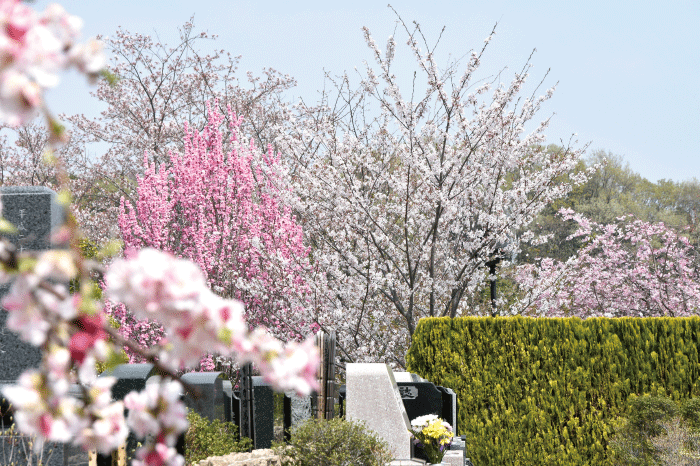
x: 405, y: 202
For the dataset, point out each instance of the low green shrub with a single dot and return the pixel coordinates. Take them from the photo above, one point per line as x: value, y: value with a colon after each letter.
x: 336, y: 442
x: 679, y: 446
x: 205, y: 438
x: 657, y: 431
x: 690, y: 414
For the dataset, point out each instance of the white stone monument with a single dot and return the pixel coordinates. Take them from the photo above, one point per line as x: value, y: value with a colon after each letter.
x: 373, y: 397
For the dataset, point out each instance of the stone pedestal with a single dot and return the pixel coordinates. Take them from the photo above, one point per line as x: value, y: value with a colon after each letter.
x: 454, y: 457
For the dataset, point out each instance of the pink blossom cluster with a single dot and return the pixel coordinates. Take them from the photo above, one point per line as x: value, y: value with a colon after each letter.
x: 74, y: 337
x: 629, y: 268
x: 145, y: 332
x: 226, y: 206
x: 157, y: 414
x: 44, y: 409
x: 153, y: 284
x: 33, y: 48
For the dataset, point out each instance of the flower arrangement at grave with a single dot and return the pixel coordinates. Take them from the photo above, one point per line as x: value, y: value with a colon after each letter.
x: 433, y: 435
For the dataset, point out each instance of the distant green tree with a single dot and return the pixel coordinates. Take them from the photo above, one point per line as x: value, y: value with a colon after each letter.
x: 615, y: 190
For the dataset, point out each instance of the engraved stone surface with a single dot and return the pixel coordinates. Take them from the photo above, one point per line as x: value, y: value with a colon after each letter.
x: 34, y: 212
x: 420, y: 398
x: 454, y: 457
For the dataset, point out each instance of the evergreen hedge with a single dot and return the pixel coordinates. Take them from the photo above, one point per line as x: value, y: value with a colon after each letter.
x: 546, y: 391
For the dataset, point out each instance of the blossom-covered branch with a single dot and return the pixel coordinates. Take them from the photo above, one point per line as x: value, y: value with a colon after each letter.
x: 627, y: 268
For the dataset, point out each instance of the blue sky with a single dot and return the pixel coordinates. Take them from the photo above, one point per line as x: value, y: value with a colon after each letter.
x: 628, y: 71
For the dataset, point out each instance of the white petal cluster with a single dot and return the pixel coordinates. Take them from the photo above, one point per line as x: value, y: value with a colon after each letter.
x: 33, y: 49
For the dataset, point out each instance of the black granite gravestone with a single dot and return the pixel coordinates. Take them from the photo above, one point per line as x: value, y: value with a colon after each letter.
x: 236, y: 408
x: 209, y: 403
x: 227, y: 388
x: 264, y: 413
x: 129, y: 377
x: 449, y: 406
x: 246, y: 394
x: 420, y: 398
x: 342, y: 396
x: 297, y: 409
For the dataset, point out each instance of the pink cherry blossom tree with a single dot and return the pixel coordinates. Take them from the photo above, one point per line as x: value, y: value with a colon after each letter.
x: 158, y: 88
x: 406, y: 195
x: 627, y: 268
x: 226, y: 205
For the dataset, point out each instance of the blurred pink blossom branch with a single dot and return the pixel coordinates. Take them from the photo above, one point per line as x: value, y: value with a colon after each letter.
x: 69, y: 326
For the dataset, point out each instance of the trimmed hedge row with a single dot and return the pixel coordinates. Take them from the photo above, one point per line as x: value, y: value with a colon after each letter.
x: 545, y: 391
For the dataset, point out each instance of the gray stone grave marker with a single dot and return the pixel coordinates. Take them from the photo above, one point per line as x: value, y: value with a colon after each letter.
x: 297, y: 409
x: 373, y: 397
x: 34, y: 212
x: 408, y: 377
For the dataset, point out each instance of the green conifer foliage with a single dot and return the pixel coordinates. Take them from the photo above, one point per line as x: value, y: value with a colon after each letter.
x: 547, y: 391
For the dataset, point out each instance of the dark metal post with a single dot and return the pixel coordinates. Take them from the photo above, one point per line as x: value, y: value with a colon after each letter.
x: 492, y: 272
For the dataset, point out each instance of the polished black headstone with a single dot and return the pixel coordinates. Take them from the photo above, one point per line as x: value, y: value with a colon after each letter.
x: 129, y: 377
x: 342, y: 396
x: 264, y: 413
x: 247, y: 396
x: 449, y: 406
x: 228, y: 394
x: 420, y: 398
x: 209, y: 403
x: 236, y: 407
